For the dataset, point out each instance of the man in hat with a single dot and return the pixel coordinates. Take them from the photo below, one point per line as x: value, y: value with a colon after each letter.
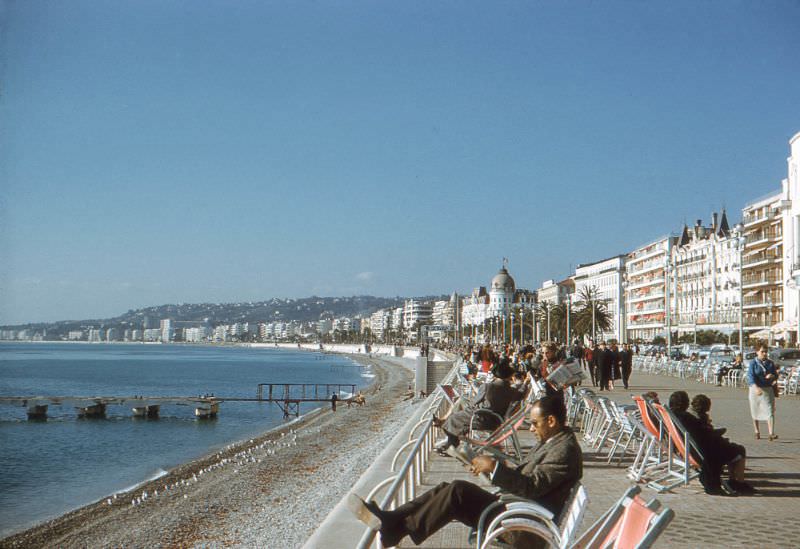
x: 495, y: 396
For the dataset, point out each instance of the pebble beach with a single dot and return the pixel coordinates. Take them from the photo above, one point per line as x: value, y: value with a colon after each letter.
x: 269, y: 491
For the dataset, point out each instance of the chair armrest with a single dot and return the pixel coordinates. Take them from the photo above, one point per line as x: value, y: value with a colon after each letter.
x: 522, y: 525
x: 510, y: 500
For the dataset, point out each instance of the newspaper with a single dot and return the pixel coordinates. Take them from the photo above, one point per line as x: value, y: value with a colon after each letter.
x: 568, y: 372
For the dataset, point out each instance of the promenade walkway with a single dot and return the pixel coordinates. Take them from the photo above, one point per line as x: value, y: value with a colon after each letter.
x: 767, y: 519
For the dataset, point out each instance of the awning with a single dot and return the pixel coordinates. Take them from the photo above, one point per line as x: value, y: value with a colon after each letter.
x: 785, y: 326
x: 748, y: 254
x: 761, y: 334
x: 751, y: 293
x: 775, y: 245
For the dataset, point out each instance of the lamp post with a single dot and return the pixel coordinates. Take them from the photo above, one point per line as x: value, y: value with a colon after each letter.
x: 738, y: 231
x: 623, y: 332
x: 668, y: 303
x: 769, y: 323
x: 569, y: 298
x: 512, y: 327
x: 548, y: 322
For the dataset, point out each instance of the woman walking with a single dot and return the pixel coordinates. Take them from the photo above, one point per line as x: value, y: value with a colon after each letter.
x: 762, y: 377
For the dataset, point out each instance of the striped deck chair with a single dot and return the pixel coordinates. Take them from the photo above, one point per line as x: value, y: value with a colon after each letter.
x: 504, y: 440
x: 649, y: 455
x: 684, y: 467
x: 631, y: 523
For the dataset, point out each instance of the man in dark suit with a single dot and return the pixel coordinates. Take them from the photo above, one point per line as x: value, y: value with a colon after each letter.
x: 604, y: 362
x: 626, y: 362
x: 547, y: 476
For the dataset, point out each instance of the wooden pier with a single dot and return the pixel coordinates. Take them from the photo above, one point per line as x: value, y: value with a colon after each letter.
x: 287, y: 396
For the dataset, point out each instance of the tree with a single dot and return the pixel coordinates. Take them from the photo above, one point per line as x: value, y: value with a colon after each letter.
x: 591, y: 310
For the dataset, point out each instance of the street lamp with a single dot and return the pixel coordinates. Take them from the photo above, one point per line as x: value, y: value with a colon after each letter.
x: 769, y: 323
x: 668, y: 303
x: 548, y: 322
x: 738, y: 232
x: 569, y: 298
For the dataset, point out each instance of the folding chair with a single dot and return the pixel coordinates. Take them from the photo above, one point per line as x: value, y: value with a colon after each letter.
x: 684, y: 469
x: 630, y: 523
x: 528, y: 516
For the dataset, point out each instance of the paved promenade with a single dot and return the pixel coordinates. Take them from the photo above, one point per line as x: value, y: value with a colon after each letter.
x: 767, y: 519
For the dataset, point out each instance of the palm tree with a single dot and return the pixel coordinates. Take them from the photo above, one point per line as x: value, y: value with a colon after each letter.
x: 591, y: 313
x: 551, y: 319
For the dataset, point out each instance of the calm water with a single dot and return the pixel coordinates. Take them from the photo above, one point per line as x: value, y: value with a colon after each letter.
x: 48, y: 468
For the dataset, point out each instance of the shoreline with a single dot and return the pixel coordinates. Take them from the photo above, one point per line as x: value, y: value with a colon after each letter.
x: 175, y: 509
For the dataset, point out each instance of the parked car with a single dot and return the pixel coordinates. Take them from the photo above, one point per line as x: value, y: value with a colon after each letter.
x: 785, y: 357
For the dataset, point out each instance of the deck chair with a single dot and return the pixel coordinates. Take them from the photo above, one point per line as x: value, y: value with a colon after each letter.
x: 650, y: 452
x: 525, y: 515
x: 686, y: 467
x: 449, y: 393
x: 630, y: 523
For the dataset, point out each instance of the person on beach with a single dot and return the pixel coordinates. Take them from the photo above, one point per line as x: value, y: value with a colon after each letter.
x: 547, y: 476
x: 762, y: 378
x: 334, y: 398
x: 603, y: 364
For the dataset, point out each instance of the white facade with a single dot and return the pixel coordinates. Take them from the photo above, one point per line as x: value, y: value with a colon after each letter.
x: 705, y: 278
x: 606, y: 277
x: 645, y: 290
x: 416, y: 312
x: 501, y: 293
x: 791, y: 244
x: 762, y: 263
x: 475, y: 308
x: 166, y: 330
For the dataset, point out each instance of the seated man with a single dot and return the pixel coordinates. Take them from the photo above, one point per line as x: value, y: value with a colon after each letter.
x: 547, y: 476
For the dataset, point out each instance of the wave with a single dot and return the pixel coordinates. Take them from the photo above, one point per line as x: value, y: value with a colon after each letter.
x: 155, y: 476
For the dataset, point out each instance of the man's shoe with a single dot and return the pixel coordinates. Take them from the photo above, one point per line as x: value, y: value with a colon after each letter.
x: 368, y: 513
x: 727, y: 489
x: 742, y: 487
x: 441, y: 447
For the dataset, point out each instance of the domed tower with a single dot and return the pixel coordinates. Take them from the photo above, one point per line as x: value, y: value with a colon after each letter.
x: 501, y: 293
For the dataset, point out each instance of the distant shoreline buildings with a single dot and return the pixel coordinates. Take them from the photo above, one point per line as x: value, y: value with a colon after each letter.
x: 714, y: 277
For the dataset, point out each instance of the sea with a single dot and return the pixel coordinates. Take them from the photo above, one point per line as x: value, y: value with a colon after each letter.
x: 48, y: 468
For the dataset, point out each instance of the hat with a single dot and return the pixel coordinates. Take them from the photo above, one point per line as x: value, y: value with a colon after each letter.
x: 503, y: 370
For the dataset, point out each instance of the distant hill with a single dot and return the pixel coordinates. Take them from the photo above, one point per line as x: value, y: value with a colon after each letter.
x: 306, y: 309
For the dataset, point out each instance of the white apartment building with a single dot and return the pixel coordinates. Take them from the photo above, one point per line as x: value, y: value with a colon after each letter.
x: 416, y: 312
x: 324, y: 326
x: 444, y: 311
x: 645, y: 290
x: 380, y: 322
x: 166, y: 330
x: 790, y: 326
x: 474, y: 310
x: 705, y: 278
x: 555, y: 293
x: 196, y: 335
x: 606, y: 277
x: 94, y: 335
x: 73, y: 335
x: 762, y: 265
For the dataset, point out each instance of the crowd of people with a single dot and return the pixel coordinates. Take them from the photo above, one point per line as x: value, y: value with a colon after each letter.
x: 554, y: 466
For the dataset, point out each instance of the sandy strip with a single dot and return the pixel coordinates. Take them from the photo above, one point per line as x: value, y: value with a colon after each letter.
x: 270, y: 491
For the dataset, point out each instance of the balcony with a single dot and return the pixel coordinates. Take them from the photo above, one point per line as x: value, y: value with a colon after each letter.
x: 756, y: 219
x: 636, y: 297
x: 761, y: 237
x: 761, y: 280
x: 761, y: 258
x: 644, y: 283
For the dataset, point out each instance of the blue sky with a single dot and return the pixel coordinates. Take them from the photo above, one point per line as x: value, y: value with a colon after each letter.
x: 158, y: 152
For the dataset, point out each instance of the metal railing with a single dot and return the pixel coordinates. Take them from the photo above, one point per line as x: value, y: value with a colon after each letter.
x: 403, y: 485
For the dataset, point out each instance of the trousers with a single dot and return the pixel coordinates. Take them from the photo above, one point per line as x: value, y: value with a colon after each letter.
x: 425, y: 515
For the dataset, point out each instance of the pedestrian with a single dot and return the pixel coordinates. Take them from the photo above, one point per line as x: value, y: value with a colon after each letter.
x: 588, y: 360
x: 626, y: 363
x: 603, y: 361
x: 762, y: 377
x: 334, y: 399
